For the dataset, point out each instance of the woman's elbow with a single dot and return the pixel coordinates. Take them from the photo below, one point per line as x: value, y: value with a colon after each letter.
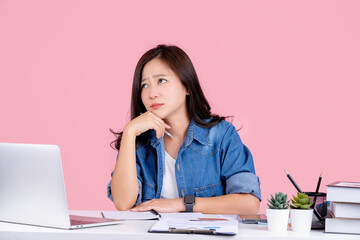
x: 252, y: 205
x: 121, y: 206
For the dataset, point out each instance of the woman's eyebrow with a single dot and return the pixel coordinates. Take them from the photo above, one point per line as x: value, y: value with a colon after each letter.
x: 154, y: 76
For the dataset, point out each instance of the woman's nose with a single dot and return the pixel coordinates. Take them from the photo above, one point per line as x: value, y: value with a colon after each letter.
x: 154, y: 92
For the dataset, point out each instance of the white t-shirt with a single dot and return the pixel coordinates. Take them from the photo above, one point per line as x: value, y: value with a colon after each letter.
x: 169, y: 188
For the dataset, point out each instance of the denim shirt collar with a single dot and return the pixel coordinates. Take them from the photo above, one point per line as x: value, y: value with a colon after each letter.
x: 199, y: 133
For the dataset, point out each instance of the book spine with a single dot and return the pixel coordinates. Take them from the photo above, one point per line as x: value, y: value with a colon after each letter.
x: 345, y: 210
x: 333, y: 225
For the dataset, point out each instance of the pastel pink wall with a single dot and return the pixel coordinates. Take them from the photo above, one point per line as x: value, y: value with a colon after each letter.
x: 287, y: 70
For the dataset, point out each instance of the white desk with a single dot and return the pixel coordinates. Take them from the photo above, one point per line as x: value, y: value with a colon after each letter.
x: 138, y: 230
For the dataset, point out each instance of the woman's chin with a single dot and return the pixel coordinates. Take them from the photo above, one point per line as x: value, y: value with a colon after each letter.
x: 159, y: 114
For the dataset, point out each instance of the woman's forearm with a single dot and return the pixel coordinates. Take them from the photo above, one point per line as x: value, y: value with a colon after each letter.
x: 235, y: 203
x: 124, y: 184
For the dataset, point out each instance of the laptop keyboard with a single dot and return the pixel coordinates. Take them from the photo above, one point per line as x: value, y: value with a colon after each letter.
x: 75, y: 222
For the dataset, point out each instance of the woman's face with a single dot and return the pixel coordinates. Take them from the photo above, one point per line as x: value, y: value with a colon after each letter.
x: 162, y: 92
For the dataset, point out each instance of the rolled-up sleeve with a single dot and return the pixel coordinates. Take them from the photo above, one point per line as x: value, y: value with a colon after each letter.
x: 237, y: 165
x: 138, y: 200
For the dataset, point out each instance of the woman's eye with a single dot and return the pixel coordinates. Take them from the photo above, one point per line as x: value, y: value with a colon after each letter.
x: 144, y: 85
x: 161, y: 80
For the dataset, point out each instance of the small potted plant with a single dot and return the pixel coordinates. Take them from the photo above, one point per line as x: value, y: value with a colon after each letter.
x: 278, y: 212
x: 300, y: 213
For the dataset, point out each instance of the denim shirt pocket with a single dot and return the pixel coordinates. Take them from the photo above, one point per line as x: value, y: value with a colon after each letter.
x: 206, y: 151
x: 148, y: 191
x: 212, y: 190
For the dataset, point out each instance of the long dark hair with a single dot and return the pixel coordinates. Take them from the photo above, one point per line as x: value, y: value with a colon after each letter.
x: 180, y: 63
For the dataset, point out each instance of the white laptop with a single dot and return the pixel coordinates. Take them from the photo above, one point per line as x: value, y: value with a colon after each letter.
x: 32, y: 188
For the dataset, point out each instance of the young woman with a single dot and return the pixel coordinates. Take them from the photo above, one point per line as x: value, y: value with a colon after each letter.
x: 174, y: 155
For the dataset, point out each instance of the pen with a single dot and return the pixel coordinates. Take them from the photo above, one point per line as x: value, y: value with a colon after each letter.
x: 293, y: 182
x: 155, y: 212
x: 317, y: 189
x: 317, y: 214
x: 318, y: 185
x: 316, y: 192
x: 166, y: 132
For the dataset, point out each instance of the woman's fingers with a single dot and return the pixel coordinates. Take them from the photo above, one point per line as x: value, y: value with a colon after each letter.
x: 148, y: 121
x: 160, y: 129
x: 160, y: 205
x: 144, y: 206
x: 162, y: 125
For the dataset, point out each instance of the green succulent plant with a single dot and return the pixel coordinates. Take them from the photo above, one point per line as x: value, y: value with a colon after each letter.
x: 302, y: 201
x: 279, y: 201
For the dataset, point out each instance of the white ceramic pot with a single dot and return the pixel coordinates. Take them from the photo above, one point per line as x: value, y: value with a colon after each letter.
x: 301, y: 219
x: 277, y: 219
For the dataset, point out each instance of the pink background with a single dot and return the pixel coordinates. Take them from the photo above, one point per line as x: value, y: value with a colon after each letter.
x: 286, y: 70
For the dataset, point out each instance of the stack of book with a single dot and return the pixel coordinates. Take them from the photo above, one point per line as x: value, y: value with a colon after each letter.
x: 344, y: 209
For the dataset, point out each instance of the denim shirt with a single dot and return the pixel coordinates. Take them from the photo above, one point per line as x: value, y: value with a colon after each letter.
x: 210, y: 162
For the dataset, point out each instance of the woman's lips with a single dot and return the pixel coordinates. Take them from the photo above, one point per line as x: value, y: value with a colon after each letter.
x: 156, y: 106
